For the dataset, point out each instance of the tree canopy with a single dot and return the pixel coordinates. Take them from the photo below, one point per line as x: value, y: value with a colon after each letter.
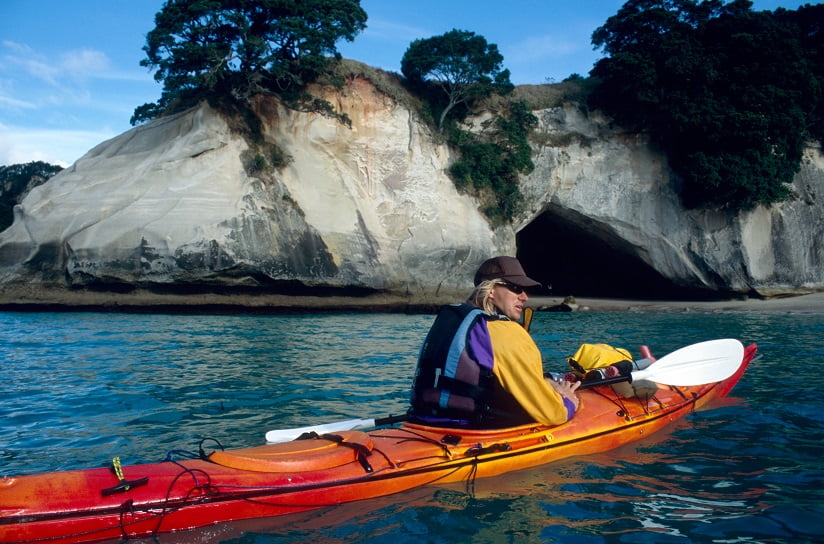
x: 459, y: 68
x: 461, y: 64
x: 728, y: 93
x: 242, y: 47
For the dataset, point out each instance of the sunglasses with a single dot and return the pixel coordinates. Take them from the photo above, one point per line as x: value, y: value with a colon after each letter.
x: 517, y: 289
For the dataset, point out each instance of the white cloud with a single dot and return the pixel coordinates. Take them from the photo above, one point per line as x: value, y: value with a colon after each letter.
x: 390, y: 31
x: 132, y: 75
x: 84, y: 63
x: 71, y: 66
x: 56, y: 108
x: 7, y: 102
x: 24, y: 59
x: 540, y: 48
x: 19, y: 48
x: 21, y: 145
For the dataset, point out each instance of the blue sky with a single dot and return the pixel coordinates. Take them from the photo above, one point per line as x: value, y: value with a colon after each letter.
x: 70, y: 76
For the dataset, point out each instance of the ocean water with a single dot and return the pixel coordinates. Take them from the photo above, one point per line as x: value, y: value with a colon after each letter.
x: 82, y: 388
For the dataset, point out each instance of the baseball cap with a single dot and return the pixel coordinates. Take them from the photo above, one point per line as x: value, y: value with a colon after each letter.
x: 504, y: 268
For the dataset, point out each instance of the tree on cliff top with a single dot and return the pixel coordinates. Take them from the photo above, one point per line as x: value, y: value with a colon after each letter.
x: 461, y: 64
x: 237, y: 48
x: 728, y: 93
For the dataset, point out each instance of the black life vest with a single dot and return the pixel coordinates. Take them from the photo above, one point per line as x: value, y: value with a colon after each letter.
x: 449, y: 383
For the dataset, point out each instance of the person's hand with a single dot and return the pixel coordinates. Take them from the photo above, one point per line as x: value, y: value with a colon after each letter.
x: 567, y: 390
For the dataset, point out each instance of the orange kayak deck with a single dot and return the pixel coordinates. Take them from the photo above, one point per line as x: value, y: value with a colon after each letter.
x: 263, y: 481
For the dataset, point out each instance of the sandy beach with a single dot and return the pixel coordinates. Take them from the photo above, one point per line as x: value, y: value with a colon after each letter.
x: 810, y: 303
x: 36, y: 298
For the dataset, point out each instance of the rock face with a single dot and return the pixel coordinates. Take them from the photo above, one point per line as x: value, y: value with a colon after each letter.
x: 371, y: 208
x: 616, y: 187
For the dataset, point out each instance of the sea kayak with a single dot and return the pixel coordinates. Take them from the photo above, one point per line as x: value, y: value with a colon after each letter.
x: 139, y: 501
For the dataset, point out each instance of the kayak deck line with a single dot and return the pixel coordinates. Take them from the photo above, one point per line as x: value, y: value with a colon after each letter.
x: 229, y: 485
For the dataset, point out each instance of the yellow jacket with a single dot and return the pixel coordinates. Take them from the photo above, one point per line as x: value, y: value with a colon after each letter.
x: 519, y: 369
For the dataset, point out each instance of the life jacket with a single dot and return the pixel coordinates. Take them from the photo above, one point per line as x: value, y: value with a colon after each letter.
x: 450, y: 386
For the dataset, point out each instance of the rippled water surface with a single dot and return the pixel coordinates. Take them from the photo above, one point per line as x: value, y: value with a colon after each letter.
x: 81, y: 388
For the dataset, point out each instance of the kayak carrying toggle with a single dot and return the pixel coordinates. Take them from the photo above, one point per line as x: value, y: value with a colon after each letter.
x: 124, y: 485
x: 361, y: 450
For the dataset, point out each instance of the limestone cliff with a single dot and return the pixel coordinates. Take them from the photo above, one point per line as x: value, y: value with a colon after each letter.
x: 613, y: 185
x: 370, y: 208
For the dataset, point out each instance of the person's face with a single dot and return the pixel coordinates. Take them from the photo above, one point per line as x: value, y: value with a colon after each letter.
x: 509, y: 299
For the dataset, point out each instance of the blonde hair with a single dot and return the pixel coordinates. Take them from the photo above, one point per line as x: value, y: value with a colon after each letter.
x: 480, y: 296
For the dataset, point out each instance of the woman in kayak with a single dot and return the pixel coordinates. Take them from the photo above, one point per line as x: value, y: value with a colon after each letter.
x: 480, y: 368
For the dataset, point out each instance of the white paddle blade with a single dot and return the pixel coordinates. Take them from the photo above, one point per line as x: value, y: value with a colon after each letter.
x: 696, y: 364
x: 284, y: 435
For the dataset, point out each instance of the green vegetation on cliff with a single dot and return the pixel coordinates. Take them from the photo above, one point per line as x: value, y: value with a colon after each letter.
x: 729, y: 94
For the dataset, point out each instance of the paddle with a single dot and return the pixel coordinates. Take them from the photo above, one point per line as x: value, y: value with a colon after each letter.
x: 696, y: 364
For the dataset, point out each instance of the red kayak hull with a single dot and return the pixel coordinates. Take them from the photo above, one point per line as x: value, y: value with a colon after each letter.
x: 265, y: 481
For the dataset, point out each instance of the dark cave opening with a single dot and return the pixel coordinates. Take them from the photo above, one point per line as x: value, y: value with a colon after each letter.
x: 579, y: 257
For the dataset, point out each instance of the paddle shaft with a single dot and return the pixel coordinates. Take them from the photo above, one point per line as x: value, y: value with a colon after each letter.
x: 605, y: 381
x: 389, y: 420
